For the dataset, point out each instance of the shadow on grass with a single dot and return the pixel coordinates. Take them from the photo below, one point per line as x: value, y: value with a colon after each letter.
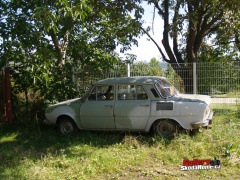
x: 45, y: 137
x: 19, y: 142
x: 41, y: 137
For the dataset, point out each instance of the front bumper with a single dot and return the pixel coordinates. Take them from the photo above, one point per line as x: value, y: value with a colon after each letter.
x: 206, y: 123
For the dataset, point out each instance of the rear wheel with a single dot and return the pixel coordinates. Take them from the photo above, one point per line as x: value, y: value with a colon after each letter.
x: 166, y: 128
x: 67, y: 126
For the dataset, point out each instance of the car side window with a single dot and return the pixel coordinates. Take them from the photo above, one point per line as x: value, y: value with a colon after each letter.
x: 101, y: 93
x: 141, y: 93
x: 131, y: 92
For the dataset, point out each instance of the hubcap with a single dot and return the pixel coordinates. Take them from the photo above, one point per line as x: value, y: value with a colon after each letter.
x: 166, y: 128
x: 67, y: 127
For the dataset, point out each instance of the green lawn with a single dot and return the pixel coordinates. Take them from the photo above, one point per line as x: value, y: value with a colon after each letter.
x: 30, y: 152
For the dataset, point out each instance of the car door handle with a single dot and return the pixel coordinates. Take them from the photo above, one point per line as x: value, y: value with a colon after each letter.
x: 145, y: 105
x: 108, y: 105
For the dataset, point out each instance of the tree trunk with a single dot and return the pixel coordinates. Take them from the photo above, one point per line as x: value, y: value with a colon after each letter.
x: 186, y: 74
x: 199, y: 20
x: 60, y: 48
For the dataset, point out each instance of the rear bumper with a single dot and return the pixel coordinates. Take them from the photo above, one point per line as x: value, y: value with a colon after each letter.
x: 45, y: 121
x: 206, y: 123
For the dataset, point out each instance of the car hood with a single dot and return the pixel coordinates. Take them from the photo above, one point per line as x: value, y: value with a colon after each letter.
x: 68, y: 102
x: 194, y: 98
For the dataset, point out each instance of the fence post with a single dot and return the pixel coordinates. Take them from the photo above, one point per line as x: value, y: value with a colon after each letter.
x: 73, y: 74
x: 194, y: 78
x: 6, y: 96
x: 128, y: 69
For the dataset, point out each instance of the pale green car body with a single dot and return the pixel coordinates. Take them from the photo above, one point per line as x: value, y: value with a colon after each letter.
x: 135, y: 104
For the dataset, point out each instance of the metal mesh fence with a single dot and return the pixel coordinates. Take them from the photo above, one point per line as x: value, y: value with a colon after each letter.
x: 84, y: 77
x: 219, y: 80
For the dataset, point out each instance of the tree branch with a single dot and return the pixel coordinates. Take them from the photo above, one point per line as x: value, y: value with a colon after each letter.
x: 57, y: 46
x: 159, y: 48
x: 224, y: 43
x: 153, y: 20
x: 206, y: 28
x: 237, y: 40
x: 175, y: 32
x: 160, y: 11
x: 64, y: 46
x: 191, y: 56
x: 166, y: 30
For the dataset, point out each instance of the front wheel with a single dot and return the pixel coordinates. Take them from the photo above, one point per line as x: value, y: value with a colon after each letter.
x: 66, y: 126
x: 166, y: 128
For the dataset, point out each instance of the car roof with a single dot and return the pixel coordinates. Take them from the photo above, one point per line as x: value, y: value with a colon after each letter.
x: 130, y: 80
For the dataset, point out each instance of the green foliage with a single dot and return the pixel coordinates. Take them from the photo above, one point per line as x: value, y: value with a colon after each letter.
x: 43, y: 41
x: 39, y: 152
x: 155, y: 68
x: 218, y: 61
x: 190, y: 25
x: 174, y: 78
x: 225, y: 53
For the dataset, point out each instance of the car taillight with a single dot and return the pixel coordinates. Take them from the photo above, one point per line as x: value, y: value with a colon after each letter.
x: 206, y: 111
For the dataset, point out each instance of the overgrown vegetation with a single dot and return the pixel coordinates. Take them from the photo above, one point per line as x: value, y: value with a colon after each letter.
x: 31, y: 151
x: 44, y: 42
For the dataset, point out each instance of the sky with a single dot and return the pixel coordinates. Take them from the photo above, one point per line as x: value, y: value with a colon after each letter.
x: 146, y: 49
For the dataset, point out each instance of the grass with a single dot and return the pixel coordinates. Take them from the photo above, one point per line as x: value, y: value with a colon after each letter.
x: 234, y: 94
x: 39, y: 152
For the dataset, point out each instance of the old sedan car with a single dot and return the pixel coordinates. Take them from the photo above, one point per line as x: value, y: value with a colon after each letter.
x: 132, y: 104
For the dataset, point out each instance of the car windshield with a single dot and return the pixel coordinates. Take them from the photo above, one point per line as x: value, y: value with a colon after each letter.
x: 86, y: 94
x: 166, y: 89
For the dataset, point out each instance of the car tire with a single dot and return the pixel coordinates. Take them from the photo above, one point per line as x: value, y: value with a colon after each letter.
x: 67, y: 126
x: 166, y: 128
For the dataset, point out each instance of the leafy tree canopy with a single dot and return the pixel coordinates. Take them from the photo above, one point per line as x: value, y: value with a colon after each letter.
x: 187, y: 24
x: 54, y: 26
x: 43, y: 39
